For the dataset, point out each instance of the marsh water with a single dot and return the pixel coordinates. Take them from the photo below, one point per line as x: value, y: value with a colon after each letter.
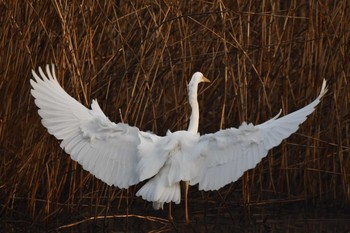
x: 296, y: 218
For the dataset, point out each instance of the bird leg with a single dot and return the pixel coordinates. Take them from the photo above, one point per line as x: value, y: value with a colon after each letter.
x: 170, y: 216
x: 186, y: 202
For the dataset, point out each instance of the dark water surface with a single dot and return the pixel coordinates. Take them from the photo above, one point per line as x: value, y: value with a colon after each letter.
x: 276, y: 219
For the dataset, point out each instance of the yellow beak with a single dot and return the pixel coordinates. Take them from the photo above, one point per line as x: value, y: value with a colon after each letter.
x: 205, y: 80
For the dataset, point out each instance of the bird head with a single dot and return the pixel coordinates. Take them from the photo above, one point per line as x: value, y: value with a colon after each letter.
x: 198, y: 77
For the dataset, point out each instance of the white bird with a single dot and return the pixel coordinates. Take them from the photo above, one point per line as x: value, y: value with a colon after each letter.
x: 122, y: 155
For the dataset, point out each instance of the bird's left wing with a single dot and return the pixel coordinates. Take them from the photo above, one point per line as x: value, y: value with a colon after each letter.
x: 224, y: 156
x: 105, y: 149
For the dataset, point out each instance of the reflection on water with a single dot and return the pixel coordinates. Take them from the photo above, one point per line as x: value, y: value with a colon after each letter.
x: 276, y: 219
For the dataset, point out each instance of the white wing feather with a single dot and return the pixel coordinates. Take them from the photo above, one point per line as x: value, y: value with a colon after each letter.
x: 227, y: 154
x: 105, y: 149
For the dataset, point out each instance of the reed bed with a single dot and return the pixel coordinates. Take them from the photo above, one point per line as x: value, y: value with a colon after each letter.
x: 136, y: 58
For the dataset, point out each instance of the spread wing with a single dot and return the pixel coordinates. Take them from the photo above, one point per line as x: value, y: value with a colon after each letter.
x: 105, y: 149
x: 227, y: 154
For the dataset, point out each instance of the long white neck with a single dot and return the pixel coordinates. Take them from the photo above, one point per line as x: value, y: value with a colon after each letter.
x: 192, y: 97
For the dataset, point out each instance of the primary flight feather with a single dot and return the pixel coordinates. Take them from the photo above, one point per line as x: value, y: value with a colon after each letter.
x: 122, y: 155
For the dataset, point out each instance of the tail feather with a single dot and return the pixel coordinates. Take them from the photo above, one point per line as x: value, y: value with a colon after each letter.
x: 158, y: 205
x: 158, y: 191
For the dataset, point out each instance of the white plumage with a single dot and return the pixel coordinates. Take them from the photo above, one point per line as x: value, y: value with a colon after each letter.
x: 122, y: 155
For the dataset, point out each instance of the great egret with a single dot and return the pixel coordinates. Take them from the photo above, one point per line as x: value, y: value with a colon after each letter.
x: 122, y: 155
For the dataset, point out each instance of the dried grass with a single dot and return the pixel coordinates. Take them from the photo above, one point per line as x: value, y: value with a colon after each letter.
x: 136, y: 58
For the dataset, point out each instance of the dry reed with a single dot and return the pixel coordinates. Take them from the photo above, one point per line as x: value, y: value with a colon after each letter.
x: 136, y: 58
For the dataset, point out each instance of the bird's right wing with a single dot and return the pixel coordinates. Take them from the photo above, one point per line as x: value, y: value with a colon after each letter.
x: 224, y: 156
x: 105, y: 149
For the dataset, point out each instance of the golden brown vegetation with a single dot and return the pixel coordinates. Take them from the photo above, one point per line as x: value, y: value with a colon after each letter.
x: 136, y: 58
